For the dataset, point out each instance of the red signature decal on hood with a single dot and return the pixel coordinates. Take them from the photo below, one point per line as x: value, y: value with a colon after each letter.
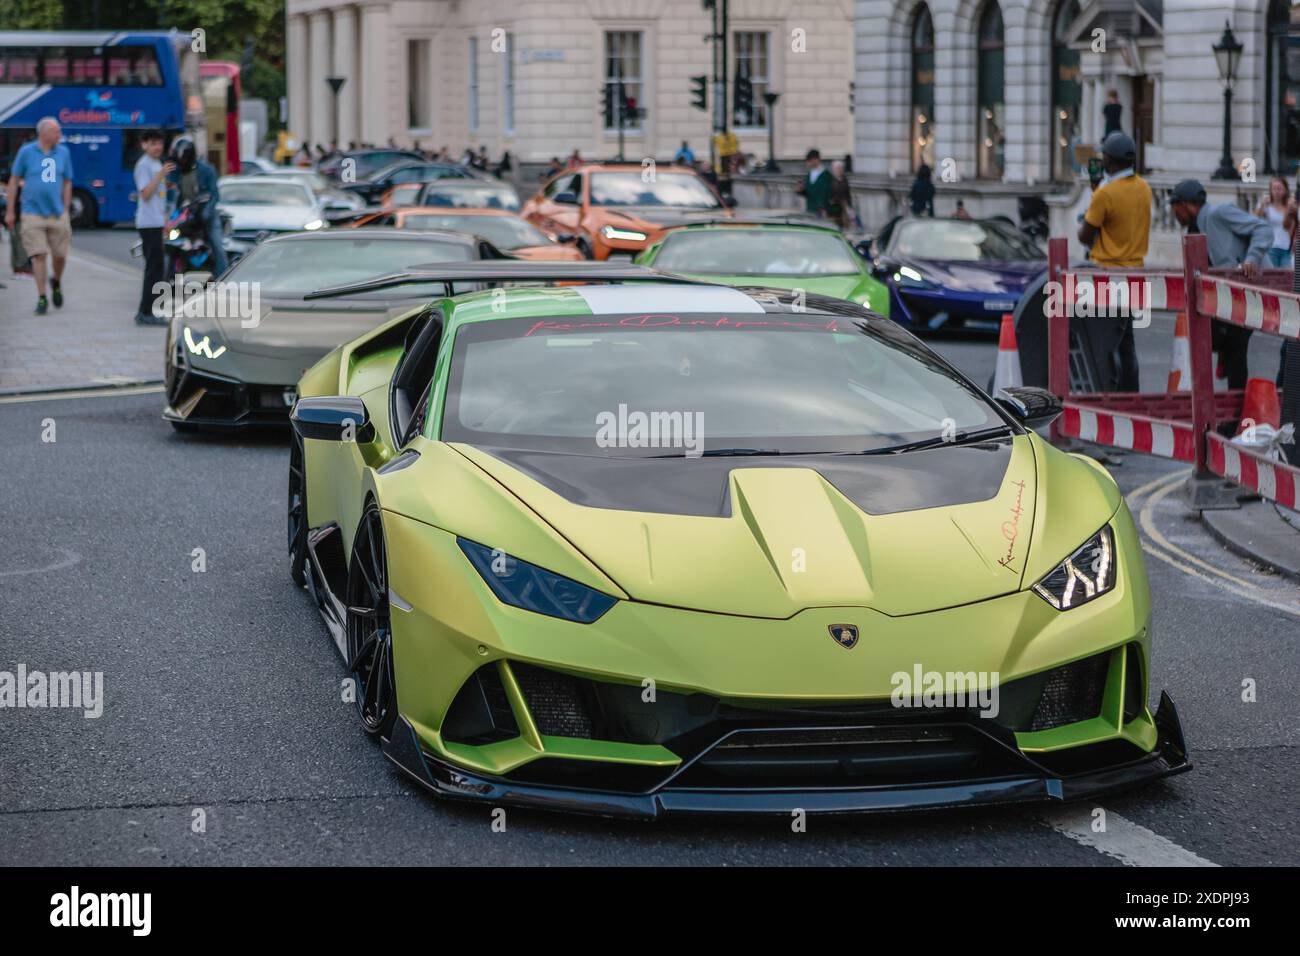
x: 1011, y: 527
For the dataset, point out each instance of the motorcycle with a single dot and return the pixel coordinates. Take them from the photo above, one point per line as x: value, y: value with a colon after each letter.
x: 185, y: 241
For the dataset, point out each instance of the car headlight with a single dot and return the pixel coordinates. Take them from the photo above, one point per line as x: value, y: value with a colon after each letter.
x: 201, y: 345
x: 527, y: 586
x: 1084, y: 575
x: 314, y: 224
x: 631, y: 235
x: 907, y: 276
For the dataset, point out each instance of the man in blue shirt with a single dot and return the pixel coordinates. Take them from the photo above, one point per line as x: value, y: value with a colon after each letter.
x: 43, y: 168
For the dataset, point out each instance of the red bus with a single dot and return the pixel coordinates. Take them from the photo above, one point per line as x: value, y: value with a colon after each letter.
x: 221, y: 93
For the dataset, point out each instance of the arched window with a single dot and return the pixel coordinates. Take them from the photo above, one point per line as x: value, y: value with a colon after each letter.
x: 1067, y: 93
x: 990, y: 58
x: 1281, y: 90
x: 922, y: 88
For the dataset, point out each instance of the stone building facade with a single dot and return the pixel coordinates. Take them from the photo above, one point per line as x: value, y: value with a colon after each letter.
x: 526, y: 76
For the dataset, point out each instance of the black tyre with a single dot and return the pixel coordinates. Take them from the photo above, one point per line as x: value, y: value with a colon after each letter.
x: 297, y: 513
x: 84, y: 213
x: 369, y: 627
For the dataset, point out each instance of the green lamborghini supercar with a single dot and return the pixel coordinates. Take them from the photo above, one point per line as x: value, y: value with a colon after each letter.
x: 605, y: 539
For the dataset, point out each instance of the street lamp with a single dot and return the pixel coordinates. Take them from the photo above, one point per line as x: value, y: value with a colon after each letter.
x: 1227, y: 54
x: 770, y: 99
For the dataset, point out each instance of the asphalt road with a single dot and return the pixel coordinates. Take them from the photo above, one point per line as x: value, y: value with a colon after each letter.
x: 222, y: 691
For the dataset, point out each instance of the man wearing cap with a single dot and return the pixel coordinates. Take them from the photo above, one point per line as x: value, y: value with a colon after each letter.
x: 1117, y: 227
x: 1235, y: 239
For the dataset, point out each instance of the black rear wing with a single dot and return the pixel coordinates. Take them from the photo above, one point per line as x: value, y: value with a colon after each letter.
x: 498, y: 270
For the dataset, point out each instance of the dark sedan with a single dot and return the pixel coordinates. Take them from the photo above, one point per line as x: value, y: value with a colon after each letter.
x: 954, y: 273
x: 372, y: 188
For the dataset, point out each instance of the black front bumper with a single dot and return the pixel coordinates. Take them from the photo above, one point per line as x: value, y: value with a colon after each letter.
x: 1031, y: 781
x: 204, y: 400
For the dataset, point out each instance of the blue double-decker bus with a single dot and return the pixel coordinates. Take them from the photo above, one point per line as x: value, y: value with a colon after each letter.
x: 105, y: 89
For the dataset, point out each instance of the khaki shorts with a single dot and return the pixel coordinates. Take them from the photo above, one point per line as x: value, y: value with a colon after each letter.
x: 42, y: 234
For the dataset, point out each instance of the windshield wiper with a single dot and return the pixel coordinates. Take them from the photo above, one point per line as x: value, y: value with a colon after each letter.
x: 961, y: 438
x: 725, y: 453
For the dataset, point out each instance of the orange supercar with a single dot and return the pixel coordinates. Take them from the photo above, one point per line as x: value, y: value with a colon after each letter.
x: 619, y: 209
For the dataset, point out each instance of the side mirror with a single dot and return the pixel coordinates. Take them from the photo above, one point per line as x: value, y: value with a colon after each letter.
x: 729, y: 201
x: 565, y: 237
x: 567, y: 198
x: 864, y: 249
x: 1033, y: 407
x: 332, y: 418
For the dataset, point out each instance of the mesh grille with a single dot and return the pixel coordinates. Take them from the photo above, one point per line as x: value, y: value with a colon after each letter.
x: 555, y: 701
x: 494, y: 692
x: 1072, y: 693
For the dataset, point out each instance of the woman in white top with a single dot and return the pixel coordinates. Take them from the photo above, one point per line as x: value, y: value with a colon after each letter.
x: 1280, y: 211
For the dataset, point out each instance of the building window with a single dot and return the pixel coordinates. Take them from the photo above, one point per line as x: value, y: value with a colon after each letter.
x: 922, y: 88
x: 623, y: 76
x: 418, y: 114
x: 509, y: 105
x: 473, y: 84
x: 1282, y: 89
x: 1067, y: 94
x: 753, y: 63
x: 991, y: 56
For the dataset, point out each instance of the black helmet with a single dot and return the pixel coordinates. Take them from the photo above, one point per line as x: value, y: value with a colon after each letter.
x: 184, y: 155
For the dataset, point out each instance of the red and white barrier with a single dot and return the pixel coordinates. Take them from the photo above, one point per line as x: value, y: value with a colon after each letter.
x: 1267, y: 478
x: 1158, y: 291
x: 1140, y: 433
x: 1244, y: 305
x: 1266, y: 304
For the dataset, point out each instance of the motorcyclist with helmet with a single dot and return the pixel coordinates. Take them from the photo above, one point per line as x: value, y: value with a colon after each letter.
x: 193, y: 178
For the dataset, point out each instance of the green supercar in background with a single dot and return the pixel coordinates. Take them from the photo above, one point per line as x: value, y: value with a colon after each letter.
x: 621, y: 542
x: 811, y: 257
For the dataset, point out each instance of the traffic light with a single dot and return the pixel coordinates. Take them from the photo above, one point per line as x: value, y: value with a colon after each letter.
x: 699, y: 96
x: 743, y: 99
x: 607, y: 103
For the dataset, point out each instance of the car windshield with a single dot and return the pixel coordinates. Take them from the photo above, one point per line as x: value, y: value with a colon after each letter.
x: 368, y: 164
x: 780, y: 383
x: 313, y: 180
x: 984, y: 241
x: 264, y: 194
x: 471, y: 197
x: 756, y: 252
x: 504, y: 232
x: 294, y: 267
x: 666, y: 189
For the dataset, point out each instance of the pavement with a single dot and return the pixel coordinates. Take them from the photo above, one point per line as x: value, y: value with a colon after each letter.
x: 91, y: 342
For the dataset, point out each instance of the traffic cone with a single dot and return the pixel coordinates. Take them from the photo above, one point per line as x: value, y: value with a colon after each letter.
x: 1007, y: 374
x: 1180, y: 366
x: 1260, y: 404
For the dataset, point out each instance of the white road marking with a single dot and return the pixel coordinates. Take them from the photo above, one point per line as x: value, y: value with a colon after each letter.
x: 1130, y: 843
x: 110, y: 392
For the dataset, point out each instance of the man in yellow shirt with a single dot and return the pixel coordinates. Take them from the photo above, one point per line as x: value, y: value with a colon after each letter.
x: 1117, y: 227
